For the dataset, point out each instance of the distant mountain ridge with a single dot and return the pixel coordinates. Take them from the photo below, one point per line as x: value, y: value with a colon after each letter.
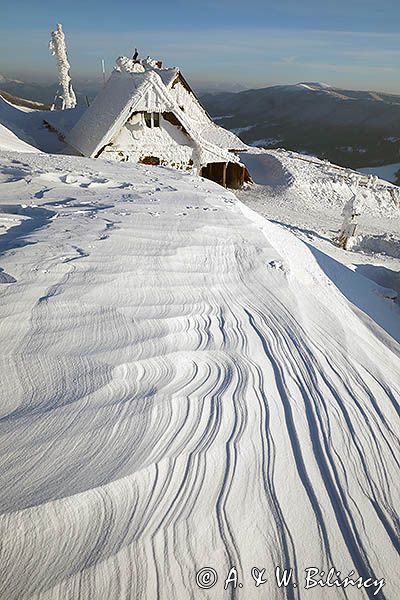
x: 45, y: 93
x: 349, y: 127
x: 6, y: 80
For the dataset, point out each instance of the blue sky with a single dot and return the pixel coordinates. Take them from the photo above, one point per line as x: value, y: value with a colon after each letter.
x: 225, y: 44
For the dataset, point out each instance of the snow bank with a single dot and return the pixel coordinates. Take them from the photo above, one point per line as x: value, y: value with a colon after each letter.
x: 9, y: 141
x: 328, y: 184
x: 29, y: 126
x: 386, y: 244
x: 266, y: 169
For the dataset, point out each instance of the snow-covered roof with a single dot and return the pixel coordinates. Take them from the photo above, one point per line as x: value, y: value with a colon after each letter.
x: 168, y: 76
x: 108, y: 112
x: 222, y: 137
x: 64, y: 120
x: 143, y: 86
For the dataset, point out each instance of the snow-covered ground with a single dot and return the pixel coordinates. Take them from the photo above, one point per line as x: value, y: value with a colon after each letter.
x: 9, y: 141
x: 307, y: 197
x: 187, y: 385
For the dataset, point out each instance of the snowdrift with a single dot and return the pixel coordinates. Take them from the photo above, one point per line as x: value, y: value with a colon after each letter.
x: 28, y: 126
x: 176, y: 373
x: 9, y: 141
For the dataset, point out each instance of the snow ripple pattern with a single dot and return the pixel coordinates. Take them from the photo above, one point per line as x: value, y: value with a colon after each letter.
x: 191, y: 390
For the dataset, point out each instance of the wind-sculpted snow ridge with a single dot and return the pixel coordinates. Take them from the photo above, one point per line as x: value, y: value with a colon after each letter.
x: 182, y: 387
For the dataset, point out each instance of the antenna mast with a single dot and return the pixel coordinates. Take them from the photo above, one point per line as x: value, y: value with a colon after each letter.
x: 103, y: 68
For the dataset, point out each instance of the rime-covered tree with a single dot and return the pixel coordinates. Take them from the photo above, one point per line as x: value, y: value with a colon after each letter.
x: 59, y: 50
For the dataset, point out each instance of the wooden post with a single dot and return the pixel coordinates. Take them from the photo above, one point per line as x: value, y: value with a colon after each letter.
x: 224, y: 175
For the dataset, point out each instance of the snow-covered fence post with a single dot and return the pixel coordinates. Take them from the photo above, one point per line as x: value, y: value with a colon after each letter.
x: 59, y: 50
x: 351, y: 212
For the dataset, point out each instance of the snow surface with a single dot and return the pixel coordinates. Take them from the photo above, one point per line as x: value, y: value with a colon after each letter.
x: 307, y: 196
x: 305, y: 86
x: 186, y: 384
x: 28, y: 126
x: 267, y: 141
x: 9, y: 141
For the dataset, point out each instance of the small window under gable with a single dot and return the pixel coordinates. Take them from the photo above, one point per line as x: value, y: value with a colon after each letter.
x: 171, y: 118
x: 152, y: 119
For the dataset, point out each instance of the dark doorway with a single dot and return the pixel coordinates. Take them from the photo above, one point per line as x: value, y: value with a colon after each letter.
x: 231, y: 175
x: 150, y: 160
x: 216, y: 172
x: 236, y: 175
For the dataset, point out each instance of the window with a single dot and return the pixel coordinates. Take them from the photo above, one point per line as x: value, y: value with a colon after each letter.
x: 152, y: 119
x: 171, y: 118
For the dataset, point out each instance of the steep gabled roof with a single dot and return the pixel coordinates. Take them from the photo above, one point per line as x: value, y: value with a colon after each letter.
x: 109, y: 111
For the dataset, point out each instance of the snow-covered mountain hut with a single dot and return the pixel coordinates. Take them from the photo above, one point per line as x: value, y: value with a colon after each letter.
x: 149, y: 114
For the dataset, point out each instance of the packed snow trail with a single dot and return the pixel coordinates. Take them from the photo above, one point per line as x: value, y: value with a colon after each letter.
x: 182, y: 387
